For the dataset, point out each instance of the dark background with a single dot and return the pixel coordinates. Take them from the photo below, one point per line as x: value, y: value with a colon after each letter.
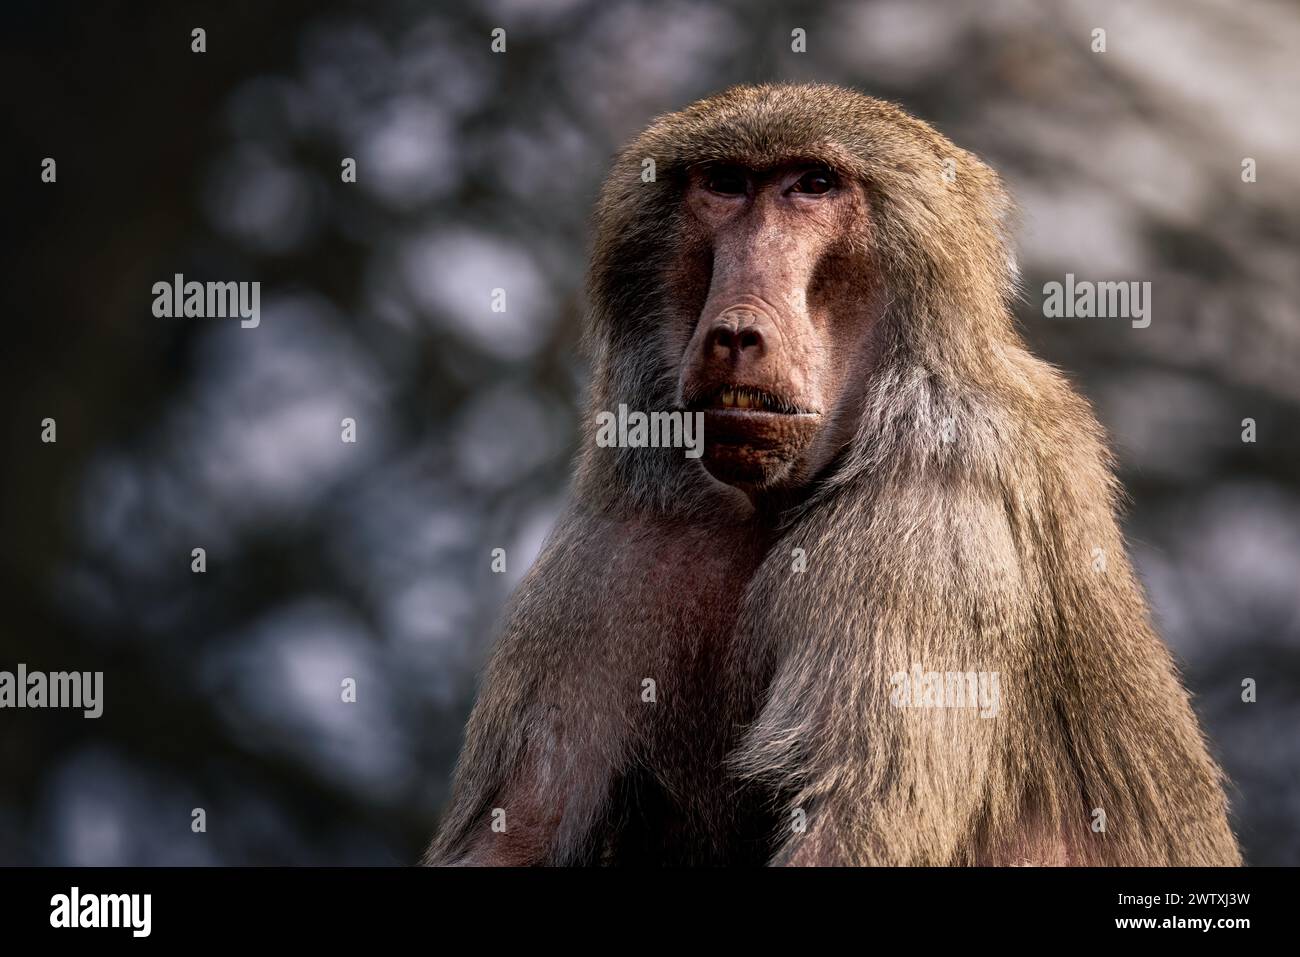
x: 477, y: 170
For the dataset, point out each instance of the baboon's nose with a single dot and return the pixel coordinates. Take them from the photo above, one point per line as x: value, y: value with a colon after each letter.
x: 735, y: 341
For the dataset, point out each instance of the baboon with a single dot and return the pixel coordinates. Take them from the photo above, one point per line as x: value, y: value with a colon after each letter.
x: 703, y: 666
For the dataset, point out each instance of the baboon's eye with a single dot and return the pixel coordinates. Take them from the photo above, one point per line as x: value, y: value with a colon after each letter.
x: 815, y: 181
x: 726, y: 180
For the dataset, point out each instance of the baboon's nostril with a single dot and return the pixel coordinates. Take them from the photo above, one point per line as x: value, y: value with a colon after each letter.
x: 721, y: 344
x: 731, y: 344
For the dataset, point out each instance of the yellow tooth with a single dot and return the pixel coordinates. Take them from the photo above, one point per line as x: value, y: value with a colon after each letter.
x: 728, y: 398
x: 743, y: 400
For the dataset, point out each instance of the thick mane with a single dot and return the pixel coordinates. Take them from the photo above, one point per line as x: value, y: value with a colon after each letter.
x: 997, y: 552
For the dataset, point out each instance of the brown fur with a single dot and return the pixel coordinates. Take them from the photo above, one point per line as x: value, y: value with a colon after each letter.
x: 773, y: 684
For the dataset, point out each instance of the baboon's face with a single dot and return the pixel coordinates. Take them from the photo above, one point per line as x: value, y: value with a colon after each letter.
x: 776, y: 359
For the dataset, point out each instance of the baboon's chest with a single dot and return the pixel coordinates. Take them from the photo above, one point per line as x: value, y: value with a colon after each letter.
x: 672, y: 608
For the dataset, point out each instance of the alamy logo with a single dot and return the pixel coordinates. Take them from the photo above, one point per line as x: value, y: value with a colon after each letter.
x: 1084, y: 299
x: 980, y: 690
x: 656, y: 430
x: 212, y: 300
x: 76, y: 909
x: 55, y: 689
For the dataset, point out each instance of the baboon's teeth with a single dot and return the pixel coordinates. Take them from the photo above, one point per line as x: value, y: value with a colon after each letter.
x: 743, y: 397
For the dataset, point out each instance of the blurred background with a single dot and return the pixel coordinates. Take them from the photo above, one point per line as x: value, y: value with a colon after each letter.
x: 477, y: 170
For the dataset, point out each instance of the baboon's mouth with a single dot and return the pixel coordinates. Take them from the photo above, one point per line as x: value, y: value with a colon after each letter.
x: 751, y: 435
x: 742, y: 398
